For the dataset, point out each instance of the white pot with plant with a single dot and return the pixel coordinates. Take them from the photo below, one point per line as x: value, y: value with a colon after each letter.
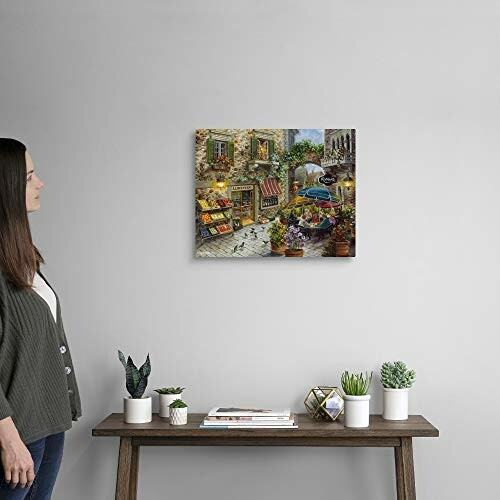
x: 168, y: 395
x: 397, y: 380
x: 178, y: 412
x: 356, y: 399
x: 136, y: 408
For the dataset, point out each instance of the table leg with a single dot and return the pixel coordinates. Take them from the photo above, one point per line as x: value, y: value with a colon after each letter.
x: 134, y: 472
x: 126, y: 475
x: 405, y: 474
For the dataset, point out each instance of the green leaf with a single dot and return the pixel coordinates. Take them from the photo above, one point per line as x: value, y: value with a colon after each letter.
x: 122, y: 359
x: 132, y: 376
x: 140, y: 388
x: 145, y: 369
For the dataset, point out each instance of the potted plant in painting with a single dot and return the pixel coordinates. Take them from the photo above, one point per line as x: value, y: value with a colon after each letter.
x: 168, y: 395
x: 329, y: 248
x: 357, y: 399
x: 277, y: 232
x: 294, y: 242
x: 346, y: 216
x: 281, y: 214
x: 397, y: 380
x: 342, y: 244
x: 178, y: 412
x: 136, y: 408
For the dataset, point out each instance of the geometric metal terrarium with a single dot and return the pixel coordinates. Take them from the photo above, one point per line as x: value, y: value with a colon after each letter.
x: 324, y: 403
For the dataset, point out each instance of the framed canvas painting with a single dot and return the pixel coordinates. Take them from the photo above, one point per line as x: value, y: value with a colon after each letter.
x: 275, y: 193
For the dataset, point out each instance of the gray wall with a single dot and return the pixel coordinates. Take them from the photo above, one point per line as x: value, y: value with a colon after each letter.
x: 107, y: 95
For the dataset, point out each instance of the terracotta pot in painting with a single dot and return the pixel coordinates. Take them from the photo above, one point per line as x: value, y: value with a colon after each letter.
x: 294, y: 253
x: 278, y: 250
x: 342, y: 248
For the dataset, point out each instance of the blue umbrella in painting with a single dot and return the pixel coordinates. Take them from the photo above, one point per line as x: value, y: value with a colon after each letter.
x: 319, y: 194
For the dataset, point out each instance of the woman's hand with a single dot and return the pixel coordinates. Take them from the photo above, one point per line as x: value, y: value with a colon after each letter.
x: 18, y: 466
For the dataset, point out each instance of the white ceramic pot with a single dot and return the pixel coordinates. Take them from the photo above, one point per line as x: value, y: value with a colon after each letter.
x: 178, y: 416
x: 137, y: 411
x: 165, y: 400
x: 357, y: 411
x: 395, y: 404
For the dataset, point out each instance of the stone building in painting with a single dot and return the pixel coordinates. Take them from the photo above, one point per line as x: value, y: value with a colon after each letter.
x: 238, y: 163
x: 343, y: 169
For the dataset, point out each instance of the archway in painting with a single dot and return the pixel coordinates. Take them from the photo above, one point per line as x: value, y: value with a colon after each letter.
x: 304, y: 176
x: 300, y: 174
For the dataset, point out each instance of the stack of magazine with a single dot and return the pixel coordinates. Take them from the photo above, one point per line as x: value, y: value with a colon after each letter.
x: 249, y: 418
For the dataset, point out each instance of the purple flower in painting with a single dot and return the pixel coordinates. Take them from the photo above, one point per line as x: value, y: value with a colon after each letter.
x: 294, y: 238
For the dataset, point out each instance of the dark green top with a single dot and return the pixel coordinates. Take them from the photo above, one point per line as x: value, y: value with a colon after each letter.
x: 38, y: 387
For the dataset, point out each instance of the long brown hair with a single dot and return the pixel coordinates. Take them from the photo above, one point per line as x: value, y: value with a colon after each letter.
x: 19, y: 258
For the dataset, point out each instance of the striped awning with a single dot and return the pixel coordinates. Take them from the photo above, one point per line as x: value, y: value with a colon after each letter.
x: 270, y: 187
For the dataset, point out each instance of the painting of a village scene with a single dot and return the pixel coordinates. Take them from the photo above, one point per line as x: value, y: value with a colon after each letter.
x: 275, y: 193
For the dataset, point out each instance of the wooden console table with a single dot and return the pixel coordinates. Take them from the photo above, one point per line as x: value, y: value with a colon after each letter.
x: 159, y: 432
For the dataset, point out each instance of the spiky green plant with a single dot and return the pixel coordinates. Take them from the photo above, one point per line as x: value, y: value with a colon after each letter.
x: 356, y: 384
x: 170, y: 390
x: 136, y: 379
x: 178, y: 403
x: 396, y: 375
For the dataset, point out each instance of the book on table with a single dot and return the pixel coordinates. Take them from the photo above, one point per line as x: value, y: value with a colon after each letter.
x: 249, y: 418
x: 221, y: 411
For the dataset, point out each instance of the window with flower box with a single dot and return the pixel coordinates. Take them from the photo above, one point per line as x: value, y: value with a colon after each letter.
x: 219, y: 149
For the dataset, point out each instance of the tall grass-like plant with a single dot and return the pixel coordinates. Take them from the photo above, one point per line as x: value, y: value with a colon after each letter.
x: 136, y: 379
x: 396, y: 375
x: 356, y: 384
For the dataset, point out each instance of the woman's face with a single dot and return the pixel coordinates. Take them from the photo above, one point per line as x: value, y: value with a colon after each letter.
x: 33, y: 186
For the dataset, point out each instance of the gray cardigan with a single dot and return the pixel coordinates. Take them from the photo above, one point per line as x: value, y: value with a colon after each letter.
x: 38, y: 386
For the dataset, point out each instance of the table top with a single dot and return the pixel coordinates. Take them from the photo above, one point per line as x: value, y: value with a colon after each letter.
x: 415, y: 426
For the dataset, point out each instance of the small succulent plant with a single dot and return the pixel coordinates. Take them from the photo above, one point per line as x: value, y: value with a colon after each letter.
x: 356, y: 384
x: 170, y: 390
x: 136, y: 379
x: 178, y: 403
x: 396, y: 375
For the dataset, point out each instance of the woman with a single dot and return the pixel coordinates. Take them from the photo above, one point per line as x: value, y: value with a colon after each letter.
x: 39, y: 395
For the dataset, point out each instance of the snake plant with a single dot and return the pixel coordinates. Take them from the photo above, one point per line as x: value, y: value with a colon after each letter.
x: 136, y: 379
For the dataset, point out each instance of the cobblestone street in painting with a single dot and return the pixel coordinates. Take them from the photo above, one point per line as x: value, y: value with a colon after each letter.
x: 255, y: 240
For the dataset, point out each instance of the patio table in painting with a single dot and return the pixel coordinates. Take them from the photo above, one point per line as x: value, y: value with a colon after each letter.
x: 255, y: 187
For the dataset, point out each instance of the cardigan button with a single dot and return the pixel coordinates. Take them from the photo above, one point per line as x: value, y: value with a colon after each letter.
x: 62, y: 349
x: 70, y: 391
x: 68, y: 370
